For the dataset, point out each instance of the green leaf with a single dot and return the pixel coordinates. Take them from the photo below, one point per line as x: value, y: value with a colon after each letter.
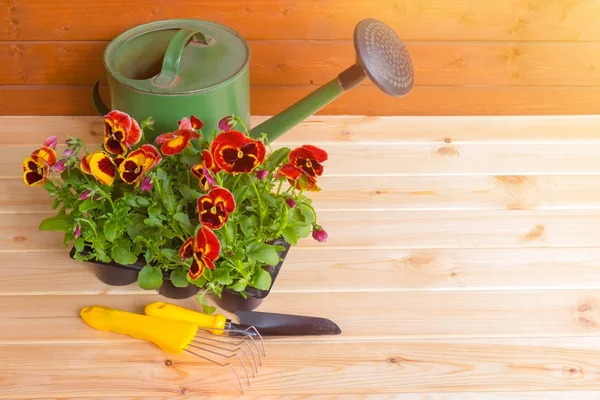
x: 136, y: 248
x: 88, y: 205
x: 79, y: 244
x: 262, y: 280
x: 73, y: 176
x: 302, y: 230
x: 188, y: 193
x: 111, y: 230
x: 269, y: 198
x: 154, y: 211
x: 60, y: 223
x: 150, y: 278
x: 208, y: 309
x: 56, y: 203
x: 221, y: 275
x: 307, y: 213
x: 276, y: 158
x: 240, y: 285
x: 142, y: 201
x: 101, y: 254
x: 263, y: 252
x: 190, y: 156
x: 170, y: 254
x: 179, y: 277
x: 246, y: 223
x: 184, y: 222
x: 290, y: 235
x: 122, y: 255
x: 136, y: 227
x: 81, y: 257
x: 153, y: 221
x: 132, y: 201
x: 170, y: 203
x: 50, y: 187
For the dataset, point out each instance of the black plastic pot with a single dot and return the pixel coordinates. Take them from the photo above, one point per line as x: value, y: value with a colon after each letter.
x: 233, y: 301
x: 114, y: 274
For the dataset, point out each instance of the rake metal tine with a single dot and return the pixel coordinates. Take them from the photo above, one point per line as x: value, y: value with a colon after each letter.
x: 233, y: 342
x: 249, y: 335
x: 222, y: 365
x: 226, y: 356
x: 226, y: 349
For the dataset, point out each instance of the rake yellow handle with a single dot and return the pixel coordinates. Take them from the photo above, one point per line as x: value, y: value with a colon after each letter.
x: 177, y: 313
x: 170, y: 335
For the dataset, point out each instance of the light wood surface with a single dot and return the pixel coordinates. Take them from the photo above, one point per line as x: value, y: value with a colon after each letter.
x: 471, y: 274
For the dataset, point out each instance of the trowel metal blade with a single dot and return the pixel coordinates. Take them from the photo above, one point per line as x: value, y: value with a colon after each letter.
x: 272, y: 324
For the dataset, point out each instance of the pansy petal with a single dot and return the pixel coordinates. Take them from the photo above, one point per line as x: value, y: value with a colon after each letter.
x: 207, y: 243
x: 232, y: 138
x: 197, y: 268
x: 209, y: 162
x: 223, y: 195
x: 134, y: 134
x: 196, y: 170
x: 52, y: 141
x: 114, y: 146
x: 46, y: 154
x: 196, y: 123
x: 103, y: 168
x: 118, y: 160
x: 120, y: 118
x: 132, y: 168
x: 319, y: 154
x: 187, y: 249
x: 85, y: 164
x: 34, y: 178
x: 153, y: 157
x: 165, y: 137
x: 185, y: 124
x: 176, y: 145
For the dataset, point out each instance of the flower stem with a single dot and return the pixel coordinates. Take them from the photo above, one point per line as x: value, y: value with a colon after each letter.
x: 91, y: 226
x: 279, y: 188
x: 107, y: 197
x: 260, y: 208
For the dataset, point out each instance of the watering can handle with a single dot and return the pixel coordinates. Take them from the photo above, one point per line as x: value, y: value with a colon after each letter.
x: 97, y: 100
x: 170, y: 67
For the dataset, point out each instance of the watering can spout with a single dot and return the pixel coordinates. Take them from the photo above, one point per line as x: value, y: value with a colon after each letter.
x: 380, y: 55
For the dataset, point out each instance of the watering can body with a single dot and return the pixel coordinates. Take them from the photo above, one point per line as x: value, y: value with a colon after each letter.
x: 172, y: 69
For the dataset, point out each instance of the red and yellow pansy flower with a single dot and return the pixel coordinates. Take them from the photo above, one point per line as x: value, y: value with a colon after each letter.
x: 133, y: 168
x: 120, y: 132
x: 204, y: 249
x: 37, y: 166
x: 102, y: 167
x: 214, y: 208
x: 304, y: 167
x: 236, y: 153
x: 209, y: 161
x: 204, y: 179
x: 309, y: 159
x: 174, y: 142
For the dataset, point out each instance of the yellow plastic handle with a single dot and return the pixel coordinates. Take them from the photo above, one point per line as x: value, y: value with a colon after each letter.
x: 202, y: 321
x: 170, y: 335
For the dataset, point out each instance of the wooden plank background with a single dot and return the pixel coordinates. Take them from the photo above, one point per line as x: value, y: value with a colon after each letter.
x: 471, y: 57
x: 462, y: 264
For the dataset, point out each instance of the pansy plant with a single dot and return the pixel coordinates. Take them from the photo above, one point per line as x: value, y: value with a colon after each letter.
x: 211, y: 212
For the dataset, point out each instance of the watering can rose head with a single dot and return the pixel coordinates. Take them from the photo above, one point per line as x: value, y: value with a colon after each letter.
x: 204, y: 209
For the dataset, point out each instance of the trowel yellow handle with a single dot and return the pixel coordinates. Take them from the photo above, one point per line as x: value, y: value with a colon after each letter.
x: 177, y: 313
x: 170, y: 335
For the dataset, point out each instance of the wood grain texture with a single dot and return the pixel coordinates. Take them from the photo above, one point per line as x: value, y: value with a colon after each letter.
x: 368, y: 316
x: 363, y: 100
x: 387, y: 367
x: 317, y: 62
x: 401, y: 193
x: 349, y: 129
x: 309, y: 19
x: 333, y: 270
x: 393, y: 229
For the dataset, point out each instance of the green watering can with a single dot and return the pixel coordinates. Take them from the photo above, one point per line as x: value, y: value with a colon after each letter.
x: 175, y: 68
